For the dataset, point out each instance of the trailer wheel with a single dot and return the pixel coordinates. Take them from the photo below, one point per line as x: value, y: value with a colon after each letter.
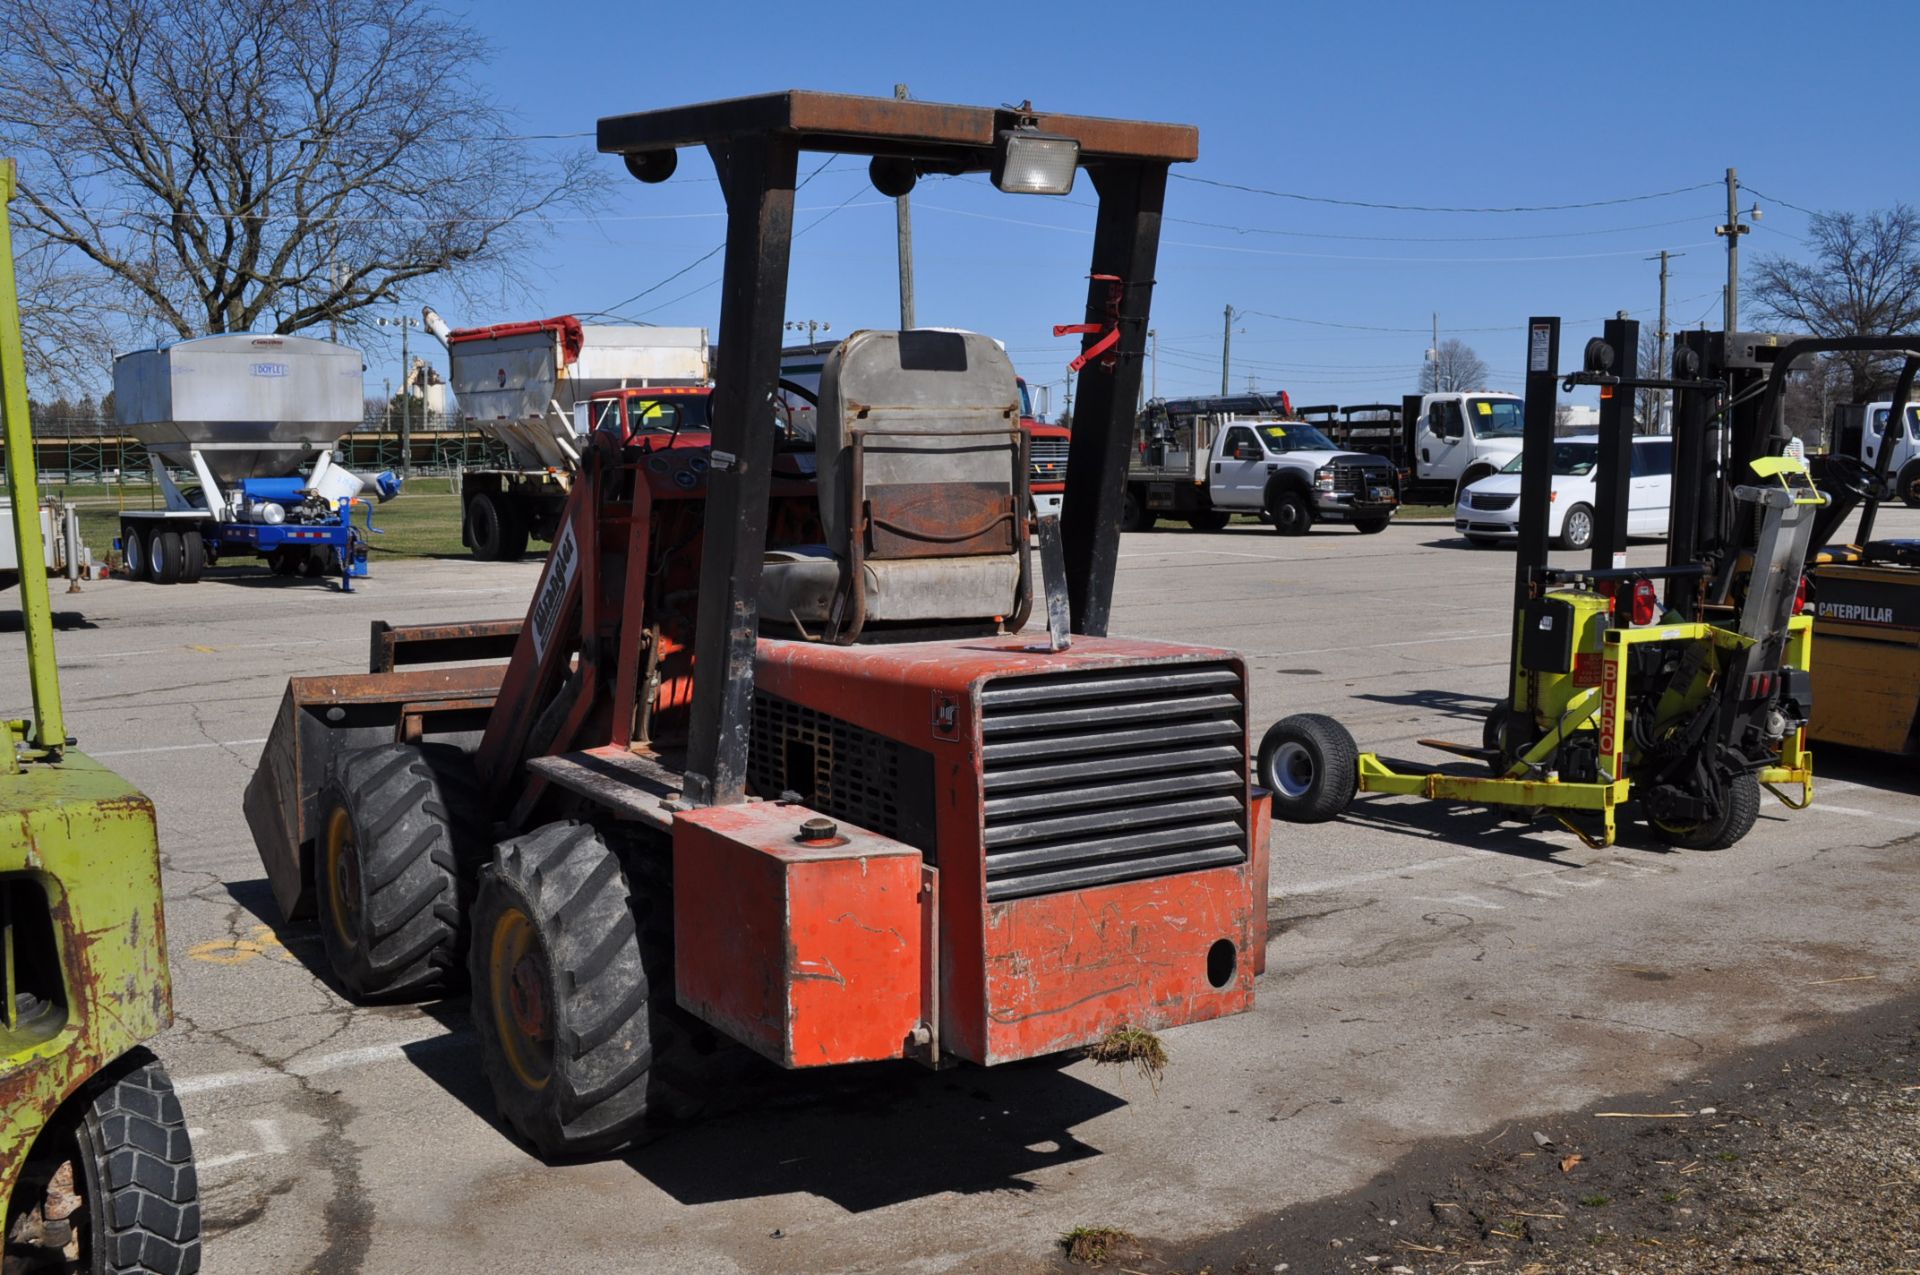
x: 284, y: 562
x: 133, y: 549
x: 140, y: 1194
x: 563, y: 974
x: 1311, y: 765
x: 1909, y: 484
x: 1739, y: 808
x: 397, y: 823
x: 1371, y: 526
x: 193, y: 557
x: 165, y: 557
x: 1576, y: 529
x: 493, y: 530
x: 1291, y: 513
x: 1134, y: 514
x: 1209, y: 520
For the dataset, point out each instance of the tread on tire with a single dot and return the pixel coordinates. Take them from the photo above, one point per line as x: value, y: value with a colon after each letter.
x: 393, y: 919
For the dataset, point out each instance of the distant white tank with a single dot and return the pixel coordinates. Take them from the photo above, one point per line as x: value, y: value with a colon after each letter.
x: 252, y: 406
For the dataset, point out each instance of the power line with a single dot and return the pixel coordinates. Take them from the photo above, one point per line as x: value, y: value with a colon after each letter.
x: 1747, y: 186
x: 1430, y: 208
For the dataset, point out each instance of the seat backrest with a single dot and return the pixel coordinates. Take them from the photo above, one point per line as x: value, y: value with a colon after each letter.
x: 921, y: 461
x: 937, y: 409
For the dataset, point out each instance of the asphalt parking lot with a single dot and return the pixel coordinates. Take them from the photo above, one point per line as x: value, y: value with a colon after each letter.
x: 1433, y: 971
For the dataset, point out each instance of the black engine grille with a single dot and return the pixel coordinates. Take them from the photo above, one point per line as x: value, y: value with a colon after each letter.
x: 1356, y: 479
x: 1048, y: 457
x: 1112, y: 776
x: 1489, y: 501
x: 842, y: 770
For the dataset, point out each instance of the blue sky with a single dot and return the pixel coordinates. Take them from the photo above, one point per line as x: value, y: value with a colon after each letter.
x: 1488, y: 104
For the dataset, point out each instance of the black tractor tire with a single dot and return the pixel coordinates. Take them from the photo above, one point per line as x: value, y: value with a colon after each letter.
x: 1908, y: 485
x: 1209, y: 520
x: 1290, y: 512
x: 313, y: 563
x: 193, y: 557
x: 136, y: 1176
x: 1576, y: 529
x: 284, y: 562
x: 133, y: 552
x: 165, y: 557
x: 1735, y: 821
x: 1311, y: 765
x: 398, y: 823
x: 1134, y: 514
x: 495, y: 531
x: 566, y: 960
x: 1371, y: 526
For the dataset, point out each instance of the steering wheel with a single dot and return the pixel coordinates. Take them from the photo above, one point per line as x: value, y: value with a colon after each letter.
x: 1854, y: 477
x: 783, y: 413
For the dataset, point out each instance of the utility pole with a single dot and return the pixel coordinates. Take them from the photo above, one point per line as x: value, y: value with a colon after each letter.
x: 404, y: 323
x: 903, y: 218
x: 1226, y: 353
x: 1733, y: 230
x: 1660, y: 366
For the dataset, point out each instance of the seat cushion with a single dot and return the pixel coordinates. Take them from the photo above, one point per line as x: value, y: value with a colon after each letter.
x: 797, y: 586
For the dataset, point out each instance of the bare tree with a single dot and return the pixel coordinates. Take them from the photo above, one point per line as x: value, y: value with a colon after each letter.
x: 1454, y: 367
x: 199, y: 166
x: 1864, y: 279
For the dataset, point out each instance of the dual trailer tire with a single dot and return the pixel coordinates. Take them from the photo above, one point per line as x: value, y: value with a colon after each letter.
x: 163, y: 556
x: 1310, y: 764
x: 496, y: 531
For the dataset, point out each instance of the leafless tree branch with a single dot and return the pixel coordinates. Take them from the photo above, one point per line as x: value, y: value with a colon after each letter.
x: 210, y: 166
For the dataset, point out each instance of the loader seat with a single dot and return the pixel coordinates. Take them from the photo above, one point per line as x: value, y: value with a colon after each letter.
x: 923, y: 489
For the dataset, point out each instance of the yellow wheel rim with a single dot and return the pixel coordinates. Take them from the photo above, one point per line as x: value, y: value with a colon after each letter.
x: 518, y: 990
x: 342, y: 877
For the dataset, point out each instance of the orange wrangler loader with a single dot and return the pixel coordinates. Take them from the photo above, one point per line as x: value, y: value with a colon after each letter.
x: 776, y: 753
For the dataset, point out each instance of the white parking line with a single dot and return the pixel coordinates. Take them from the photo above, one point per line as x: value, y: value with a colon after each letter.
x: 1384, y: 874
x: 1858, y: 813
x: 178, y: 748
x: 366, y: 1055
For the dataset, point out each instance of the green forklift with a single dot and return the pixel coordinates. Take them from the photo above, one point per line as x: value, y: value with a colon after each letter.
x: 95, y: 1163
x: 1682, y: 689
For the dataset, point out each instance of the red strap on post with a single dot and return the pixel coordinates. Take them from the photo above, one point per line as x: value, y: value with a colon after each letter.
x: 1110, y: 329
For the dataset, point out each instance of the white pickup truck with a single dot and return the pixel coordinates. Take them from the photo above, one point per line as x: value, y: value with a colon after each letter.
x: 1860, y: 429
x: 1204, y: 460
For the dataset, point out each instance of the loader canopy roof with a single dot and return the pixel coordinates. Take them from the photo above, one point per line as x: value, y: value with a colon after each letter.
x: 936, y: 132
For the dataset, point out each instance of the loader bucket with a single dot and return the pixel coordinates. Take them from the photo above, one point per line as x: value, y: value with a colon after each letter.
x: 320, y: 719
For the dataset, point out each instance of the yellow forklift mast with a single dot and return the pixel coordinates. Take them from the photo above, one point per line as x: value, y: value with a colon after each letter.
x: 95, y: 1163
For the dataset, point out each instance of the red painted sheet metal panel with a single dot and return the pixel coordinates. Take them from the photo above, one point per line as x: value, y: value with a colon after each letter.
x: 925, y: 694
x: 1065, y: 969
x: 810, y: 954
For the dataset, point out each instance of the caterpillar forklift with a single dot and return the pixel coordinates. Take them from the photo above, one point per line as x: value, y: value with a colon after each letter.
x: 1683, y: 689
x: 774, y: 757
x: 95, y: 1165
x: 1865, y: 594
